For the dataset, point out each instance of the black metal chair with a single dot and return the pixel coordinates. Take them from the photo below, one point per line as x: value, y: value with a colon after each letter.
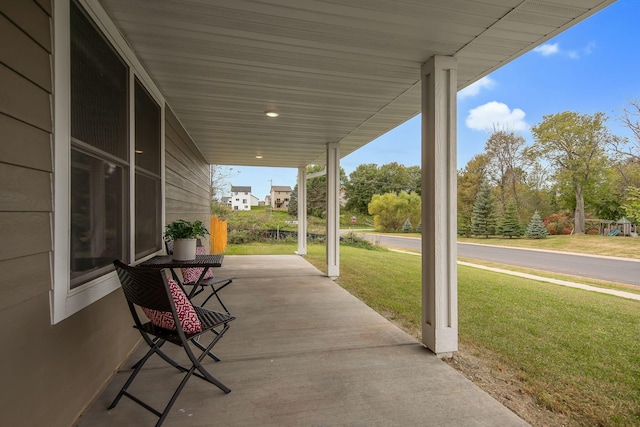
x: 215, y: 283
x: 149, y: 288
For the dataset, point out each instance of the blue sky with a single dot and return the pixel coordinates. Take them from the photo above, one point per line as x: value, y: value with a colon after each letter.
x: 593, y: 66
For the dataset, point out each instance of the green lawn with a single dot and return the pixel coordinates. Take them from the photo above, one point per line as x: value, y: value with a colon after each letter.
x: 576, y: 352
x: 625, y: 247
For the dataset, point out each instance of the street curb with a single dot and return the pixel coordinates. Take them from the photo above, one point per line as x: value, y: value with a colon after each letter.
x: 621, y: 294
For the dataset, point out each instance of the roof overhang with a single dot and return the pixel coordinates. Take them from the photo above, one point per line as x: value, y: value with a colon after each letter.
x: 335, y: 71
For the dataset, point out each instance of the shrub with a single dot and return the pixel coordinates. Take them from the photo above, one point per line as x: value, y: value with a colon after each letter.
x: 483, y: 219
x: 407, y: 227
x: 351, y: 239
x: 558, y: 223
x: 510, y: 225
x: 536, y: 228
x: 237, y: 237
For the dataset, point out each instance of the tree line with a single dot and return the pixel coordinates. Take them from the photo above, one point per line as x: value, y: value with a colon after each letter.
x: 575, y: 169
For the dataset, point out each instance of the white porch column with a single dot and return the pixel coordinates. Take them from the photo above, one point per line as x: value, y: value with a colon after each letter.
x: 333, y: 209
x: 302, y: 210
x: 439, y: 219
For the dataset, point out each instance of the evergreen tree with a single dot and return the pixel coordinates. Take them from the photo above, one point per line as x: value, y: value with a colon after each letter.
x: 510, y: 224
x: 407, y: 227
x: 419, y: 227
x: 483, y: 220
x: 536, y: 228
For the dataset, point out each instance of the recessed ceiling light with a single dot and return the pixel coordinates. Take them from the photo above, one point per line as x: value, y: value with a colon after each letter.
x: 271, y: 113
x: 258, y: 156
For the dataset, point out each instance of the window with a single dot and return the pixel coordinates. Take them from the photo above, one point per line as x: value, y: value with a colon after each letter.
x: 148, y: 179
x: 108, y: 163
x: 99, y: 154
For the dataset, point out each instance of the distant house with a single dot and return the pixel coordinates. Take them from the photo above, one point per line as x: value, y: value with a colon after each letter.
x: 280, y: 195
x: 225, y: 201
x: 242, y: 199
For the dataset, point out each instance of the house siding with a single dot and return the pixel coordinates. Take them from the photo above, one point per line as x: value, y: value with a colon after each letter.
x: 50, y: 373
x: 187, y: 185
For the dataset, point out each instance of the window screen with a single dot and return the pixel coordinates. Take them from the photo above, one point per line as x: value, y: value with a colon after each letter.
x: 99, y: 112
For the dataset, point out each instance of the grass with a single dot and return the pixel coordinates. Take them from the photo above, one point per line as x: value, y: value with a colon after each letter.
x: 576, y: 352
x: 625, y: 247
x: 569, y: 278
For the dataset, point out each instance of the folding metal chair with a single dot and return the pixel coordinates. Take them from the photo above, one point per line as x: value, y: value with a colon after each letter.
x: 149, y: 288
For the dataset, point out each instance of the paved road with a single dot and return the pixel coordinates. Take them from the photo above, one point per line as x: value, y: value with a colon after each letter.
x: 613, y: 270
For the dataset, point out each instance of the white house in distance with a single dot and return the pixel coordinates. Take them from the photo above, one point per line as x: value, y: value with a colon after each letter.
x: 242, y: 199
x: 279, y: 196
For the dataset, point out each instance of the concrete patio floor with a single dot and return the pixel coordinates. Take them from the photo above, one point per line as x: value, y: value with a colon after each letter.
x: 304, y: 352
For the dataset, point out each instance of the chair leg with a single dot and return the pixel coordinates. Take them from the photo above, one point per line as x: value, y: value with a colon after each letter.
x: 214, y: 292
x: 161, y: 354
x: 219, y: 335
x: 175, y: 395
x: 203, y: 373
x: 134, y: 374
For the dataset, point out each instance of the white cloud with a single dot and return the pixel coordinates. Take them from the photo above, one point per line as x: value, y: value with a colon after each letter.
x: 547, y: 49
x: 493, y: 113
x: 475, y: 88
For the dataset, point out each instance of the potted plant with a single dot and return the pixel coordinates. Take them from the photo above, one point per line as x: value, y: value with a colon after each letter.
x: 185, y: 235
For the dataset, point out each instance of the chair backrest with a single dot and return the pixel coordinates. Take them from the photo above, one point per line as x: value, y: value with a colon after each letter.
x: 168, y: 244
x: 145, y: 287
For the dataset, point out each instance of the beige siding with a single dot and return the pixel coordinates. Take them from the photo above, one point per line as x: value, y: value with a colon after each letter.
x: 50, y: 373
x: 187, y: 190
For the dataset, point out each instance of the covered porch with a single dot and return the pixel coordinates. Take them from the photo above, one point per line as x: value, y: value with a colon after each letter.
x: 139, y: 98
x: 303, y: 351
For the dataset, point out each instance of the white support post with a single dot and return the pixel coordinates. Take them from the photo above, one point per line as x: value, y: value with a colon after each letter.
x: 333, y: 209
x: 302, y: 210
x: 439, y: 220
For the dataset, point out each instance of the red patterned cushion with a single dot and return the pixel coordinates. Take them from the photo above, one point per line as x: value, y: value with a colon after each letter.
x: 187, y: 315
x: 191, y: 275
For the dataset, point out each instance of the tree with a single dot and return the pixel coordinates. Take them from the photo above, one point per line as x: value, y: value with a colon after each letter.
x: 316, y: 193
x: 631, y: 119
x: 510, y: 224
x: 536, y: 229
x: 627, y: 152
x: 220, y: 176
x: 390, y: 210
x: 407, y: 227
x: 369, y: 179
x: 361, y: 187
x: 632, y: 205
x: 292, y: 209
x: 575, y: 145
x: 505, y: 151
x: 469, y: 181
x: 483, y: 220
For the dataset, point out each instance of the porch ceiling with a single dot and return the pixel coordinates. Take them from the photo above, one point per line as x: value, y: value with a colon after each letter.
x: 336, y: 71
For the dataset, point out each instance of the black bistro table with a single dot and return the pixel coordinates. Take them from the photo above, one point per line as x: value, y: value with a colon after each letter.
x: 201, y: 261
x: 167, y: 261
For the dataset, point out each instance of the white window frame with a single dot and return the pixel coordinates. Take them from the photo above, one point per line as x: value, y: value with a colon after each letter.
x: 65, y: 301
